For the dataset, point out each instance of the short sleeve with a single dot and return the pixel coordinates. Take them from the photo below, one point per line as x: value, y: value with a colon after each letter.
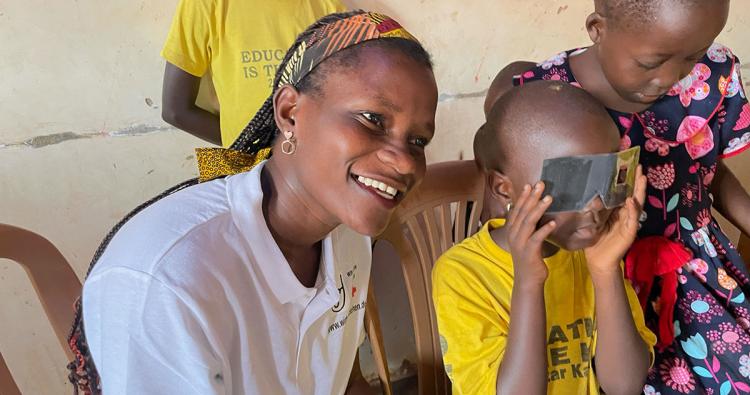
x: 472, y: 334
x: 188, y: 43
x: 145, y: 340
x: 735, y: 128
x: 635, y: 308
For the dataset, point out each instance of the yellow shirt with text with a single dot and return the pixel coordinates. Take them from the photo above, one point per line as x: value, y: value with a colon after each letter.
x: 241, y: 43
x: 472, y: 285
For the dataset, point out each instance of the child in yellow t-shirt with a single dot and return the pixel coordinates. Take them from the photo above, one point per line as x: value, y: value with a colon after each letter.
x: 240, y: 42
x: 537, y: 303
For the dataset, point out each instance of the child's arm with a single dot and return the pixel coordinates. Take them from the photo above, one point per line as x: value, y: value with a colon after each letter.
x: 622, y: 357
x: 730, y: 198
x: 179, y: 91
x: 524, y: 365
x: 187, y: 51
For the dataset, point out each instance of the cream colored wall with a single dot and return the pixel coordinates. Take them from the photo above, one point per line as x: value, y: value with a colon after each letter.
x: 82, y: 142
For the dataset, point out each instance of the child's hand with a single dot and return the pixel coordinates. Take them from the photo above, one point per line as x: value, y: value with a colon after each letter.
x: 622, y: 228
x: 524, y: 239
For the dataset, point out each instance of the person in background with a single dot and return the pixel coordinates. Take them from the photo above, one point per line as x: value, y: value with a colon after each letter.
x: 239, y: 43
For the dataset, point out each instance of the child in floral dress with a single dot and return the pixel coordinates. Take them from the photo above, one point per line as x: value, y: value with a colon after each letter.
x: 678, y: 95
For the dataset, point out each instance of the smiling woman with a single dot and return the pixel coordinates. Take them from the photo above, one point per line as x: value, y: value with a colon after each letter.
x: 353, y: 121
x: 248, y: 283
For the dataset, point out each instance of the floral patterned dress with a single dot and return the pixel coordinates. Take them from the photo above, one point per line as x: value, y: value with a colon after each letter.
x: 704, y: 117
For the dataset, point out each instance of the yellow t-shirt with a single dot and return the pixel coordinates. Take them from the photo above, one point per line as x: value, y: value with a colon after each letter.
x: 472, y: 285
x: 242, y: 43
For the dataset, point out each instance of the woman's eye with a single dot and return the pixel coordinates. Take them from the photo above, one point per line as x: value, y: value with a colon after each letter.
x: 372, y: 118
x: 420, y: 142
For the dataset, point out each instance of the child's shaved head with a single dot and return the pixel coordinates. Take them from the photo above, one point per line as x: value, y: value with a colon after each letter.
x: 544, y: 120
x: 630, y: 14
x: 540, y: 120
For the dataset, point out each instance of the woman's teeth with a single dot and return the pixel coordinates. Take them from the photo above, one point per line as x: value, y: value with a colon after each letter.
x: 382, y: 188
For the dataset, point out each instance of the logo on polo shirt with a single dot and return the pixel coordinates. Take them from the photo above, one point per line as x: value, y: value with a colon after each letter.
x: 351, y: 275
x: 342, y: 296
x: 343, y: 289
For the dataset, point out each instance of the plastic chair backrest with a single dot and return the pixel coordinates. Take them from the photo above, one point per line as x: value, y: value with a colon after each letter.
x: 54, y: 281
x: 744, y: 247
x: 443, y: 210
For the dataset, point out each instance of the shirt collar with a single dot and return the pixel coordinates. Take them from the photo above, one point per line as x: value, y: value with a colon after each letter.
x: 245, y: 197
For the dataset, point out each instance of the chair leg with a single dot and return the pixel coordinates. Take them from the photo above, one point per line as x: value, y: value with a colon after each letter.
x: 7, y: 384
x: 744, y: 247
x: 374, y: 333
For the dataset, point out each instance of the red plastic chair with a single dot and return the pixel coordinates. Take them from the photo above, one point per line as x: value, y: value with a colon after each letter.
x: 744, y: 247
x: 55, y: 282
x: 442, y: 211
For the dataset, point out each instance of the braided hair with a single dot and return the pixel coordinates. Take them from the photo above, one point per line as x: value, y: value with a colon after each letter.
x: 257, y: 135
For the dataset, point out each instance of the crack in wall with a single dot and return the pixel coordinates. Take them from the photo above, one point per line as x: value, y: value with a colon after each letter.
x: 142, y: 129
x: 57, y: 138
x: 458, y: 96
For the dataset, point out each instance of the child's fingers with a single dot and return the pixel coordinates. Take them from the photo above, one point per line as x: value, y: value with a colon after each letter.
x: 534, y: 212
x: 634, y: 214
x: 639, y: 191
x: 523, y: 207
x: 626, y: 219
x: 519, y: 202
x: 543, y: 232
x: 530, y: 198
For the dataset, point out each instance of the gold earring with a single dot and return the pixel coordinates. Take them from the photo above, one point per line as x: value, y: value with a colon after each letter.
x: 290, y: 143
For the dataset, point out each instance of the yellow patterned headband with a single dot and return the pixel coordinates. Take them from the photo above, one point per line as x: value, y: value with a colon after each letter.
x: 336, y: 36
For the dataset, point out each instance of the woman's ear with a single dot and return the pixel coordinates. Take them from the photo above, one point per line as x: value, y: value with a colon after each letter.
x: 596, y: 23
x: 285, y: 107
x: 500, y: 189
